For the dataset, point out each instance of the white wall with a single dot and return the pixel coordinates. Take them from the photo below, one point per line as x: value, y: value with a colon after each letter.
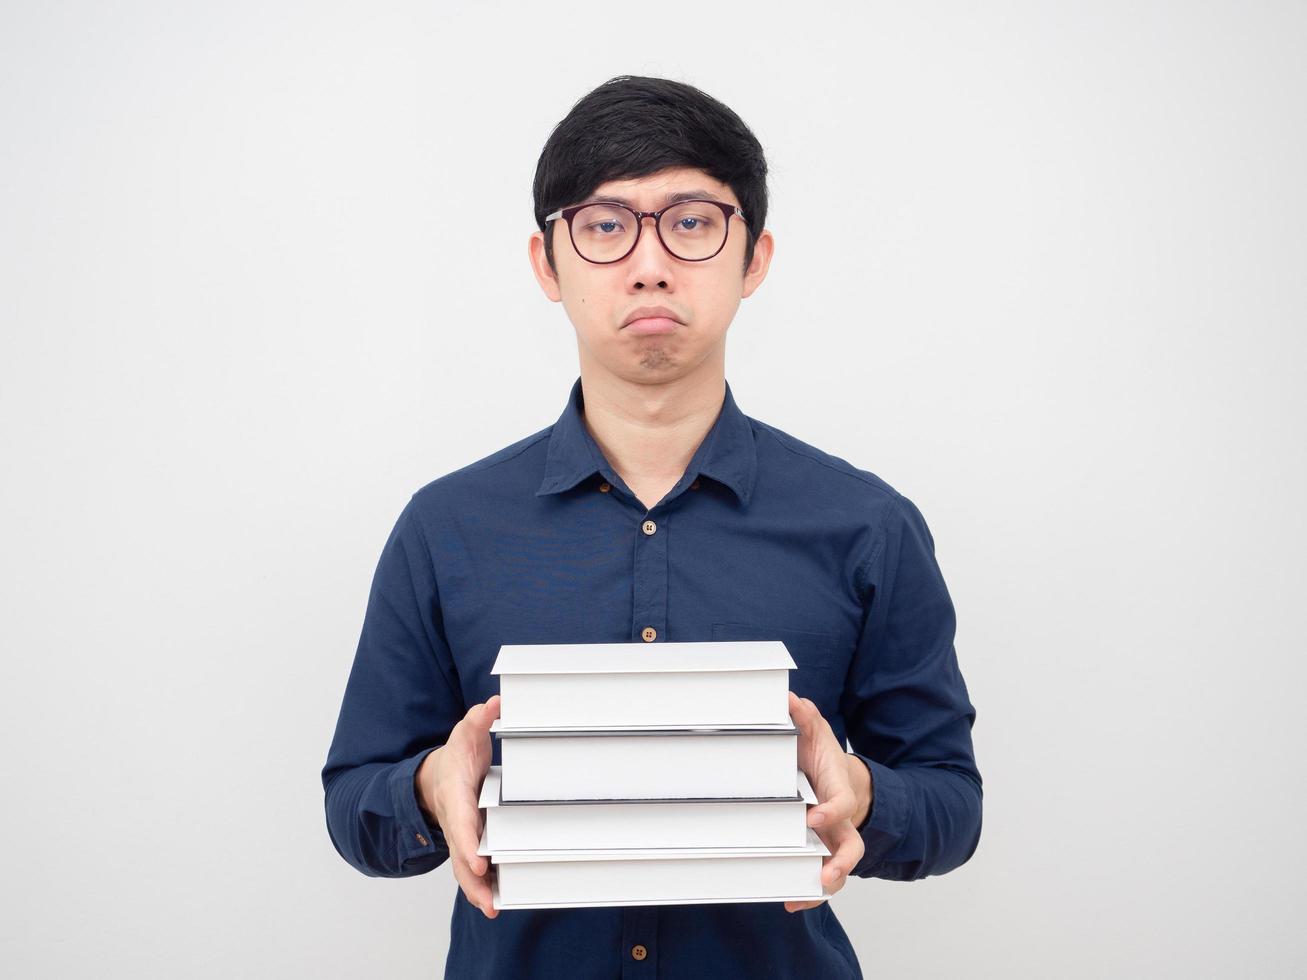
x: 263, y: 274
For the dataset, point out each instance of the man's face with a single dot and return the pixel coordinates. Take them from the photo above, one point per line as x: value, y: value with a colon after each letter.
x: 701, y: 297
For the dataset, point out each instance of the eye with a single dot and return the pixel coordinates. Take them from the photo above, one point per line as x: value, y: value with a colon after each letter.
x: 690, y: 221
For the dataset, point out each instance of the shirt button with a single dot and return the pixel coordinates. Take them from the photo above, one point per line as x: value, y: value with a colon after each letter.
x: 421, y: 840
x: 650, y: 634
x: 638, y: 952
x: 604, y: 487
x: 649, y: 527
x: 694, y: 485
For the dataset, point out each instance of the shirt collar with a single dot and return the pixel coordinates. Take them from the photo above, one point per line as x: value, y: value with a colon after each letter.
x: 727, y: 453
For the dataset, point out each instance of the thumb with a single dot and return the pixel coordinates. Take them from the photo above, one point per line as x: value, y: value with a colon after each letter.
x: 486, y: 713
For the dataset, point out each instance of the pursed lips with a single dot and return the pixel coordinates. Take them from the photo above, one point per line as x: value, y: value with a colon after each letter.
x: 652, y: 319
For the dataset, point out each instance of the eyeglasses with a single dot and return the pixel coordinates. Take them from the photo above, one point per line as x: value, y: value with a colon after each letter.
x: 603, y: 233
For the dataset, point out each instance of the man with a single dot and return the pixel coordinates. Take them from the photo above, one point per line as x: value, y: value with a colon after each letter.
x: 655, y: 511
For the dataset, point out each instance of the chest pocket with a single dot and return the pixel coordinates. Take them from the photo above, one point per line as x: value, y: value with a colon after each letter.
x: 822, y: 661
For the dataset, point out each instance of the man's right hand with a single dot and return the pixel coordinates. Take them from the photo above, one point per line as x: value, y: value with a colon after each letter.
x: 448, y: 785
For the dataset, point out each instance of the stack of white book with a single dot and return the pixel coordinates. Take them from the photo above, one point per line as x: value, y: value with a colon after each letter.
x: 647, y: 774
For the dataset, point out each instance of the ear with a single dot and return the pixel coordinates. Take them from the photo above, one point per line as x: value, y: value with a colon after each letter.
x: 758, y: 265
x: 540, y: 266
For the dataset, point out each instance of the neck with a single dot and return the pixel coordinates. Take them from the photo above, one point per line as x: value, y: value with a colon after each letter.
x: 650, y: 432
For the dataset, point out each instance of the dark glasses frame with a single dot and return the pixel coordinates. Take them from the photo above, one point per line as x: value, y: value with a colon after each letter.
x: 567, y: 214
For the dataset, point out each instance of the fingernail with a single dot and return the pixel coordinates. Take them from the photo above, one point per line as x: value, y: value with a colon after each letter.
x: 818, y: 818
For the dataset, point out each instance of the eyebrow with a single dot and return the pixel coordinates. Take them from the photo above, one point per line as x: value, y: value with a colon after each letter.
x: 672, y: 198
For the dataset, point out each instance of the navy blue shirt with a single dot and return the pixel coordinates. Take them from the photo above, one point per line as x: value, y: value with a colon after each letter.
x: 763, y: 537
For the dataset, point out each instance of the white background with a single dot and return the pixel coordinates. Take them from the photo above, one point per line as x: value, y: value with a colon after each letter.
x: 263, y: 274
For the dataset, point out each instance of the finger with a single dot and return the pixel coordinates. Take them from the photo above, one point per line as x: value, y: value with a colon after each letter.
x: 819, y: 721
x: 801, y: 717
x: 801, y: 906
x: 846, y: 851
x: 464, y: 834
x: 842, y: 805
x: 474, y: 887
x: 472, y: 871
x: 798, y: 707
x: 805, y: 714
x: 833, y: 876
x: 489, y: 909
x: 480, y: 716
x: 480, y: 894
x: 470, y: 738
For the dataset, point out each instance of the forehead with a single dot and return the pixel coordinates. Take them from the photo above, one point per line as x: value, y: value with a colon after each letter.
x: 651, y: 192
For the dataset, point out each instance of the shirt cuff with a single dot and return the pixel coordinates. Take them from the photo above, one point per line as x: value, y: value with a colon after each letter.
x: 887, y: 821
x: 418, y: 839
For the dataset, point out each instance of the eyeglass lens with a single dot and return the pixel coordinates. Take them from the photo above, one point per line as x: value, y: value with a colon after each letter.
x: 691, y: 230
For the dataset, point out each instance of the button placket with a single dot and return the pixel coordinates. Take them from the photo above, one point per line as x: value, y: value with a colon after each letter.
x: 650, y: 594
x: 639, y: 942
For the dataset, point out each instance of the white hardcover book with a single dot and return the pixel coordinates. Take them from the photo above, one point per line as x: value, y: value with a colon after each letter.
x: 495, y: 901
x: 644, y: 764
x: 604, y: 685
x: 643, y: 824
x: 647, y: 876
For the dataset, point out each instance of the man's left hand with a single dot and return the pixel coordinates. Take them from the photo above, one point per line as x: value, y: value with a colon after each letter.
x: 842, y: 797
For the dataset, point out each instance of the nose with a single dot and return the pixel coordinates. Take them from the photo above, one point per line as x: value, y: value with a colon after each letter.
x: 650, y: 262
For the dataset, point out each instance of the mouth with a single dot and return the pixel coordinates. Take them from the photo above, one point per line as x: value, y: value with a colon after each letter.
x: 652, y: 320
x: 652, y: 325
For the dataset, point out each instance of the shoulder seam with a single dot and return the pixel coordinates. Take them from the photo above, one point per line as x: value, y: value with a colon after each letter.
x: 439, y: 626
x: 484, y: 463
x: 876, y: 484
x: 860, y: 577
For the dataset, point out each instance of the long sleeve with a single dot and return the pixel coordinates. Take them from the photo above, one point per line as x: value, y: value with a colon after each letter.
x: 401, y: 701
x: 907, y: 711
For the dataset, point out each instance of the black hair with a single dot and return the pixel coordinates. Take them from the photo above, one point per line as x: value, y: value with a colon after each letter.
x: 632, y: 126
